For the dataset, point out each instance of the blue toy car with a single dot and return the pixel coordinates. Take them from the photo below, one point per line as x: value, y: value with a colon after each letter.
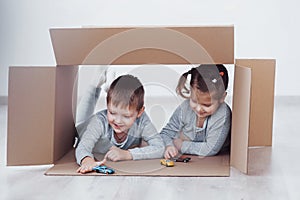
x: 103, y: 169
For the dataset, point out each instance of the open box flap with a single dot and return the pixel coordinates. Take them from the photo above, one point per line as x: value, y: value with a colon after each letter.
x: 262, y: 100
x: 31, y: 106
x: 240, y: 118
x: 40, y: 115
x: 143, y: 45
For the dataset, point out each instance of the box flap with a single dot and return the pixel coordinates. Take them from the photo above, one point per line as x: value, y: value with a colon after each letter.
x: 240, y: 118
x: 143, y: 45
x: 262, y: 100
x: 30, y: 126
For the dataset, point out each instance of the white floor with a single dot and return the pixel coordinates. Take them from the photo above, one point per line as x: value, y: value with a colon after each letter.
x: 275, y: 174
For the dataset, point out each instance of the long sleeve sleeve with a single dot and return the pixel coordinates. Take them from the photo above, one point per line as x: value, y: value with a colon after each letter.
x: 93, y: 132
x: 173, y: 127
x: 149, y: 134
x: 217, y: 131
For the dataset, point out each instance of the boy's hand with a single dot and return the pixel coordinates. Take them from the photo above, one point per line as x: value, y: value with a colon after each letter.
x: 117, y: 154
x: 171, y: 152
x: 87, y: 165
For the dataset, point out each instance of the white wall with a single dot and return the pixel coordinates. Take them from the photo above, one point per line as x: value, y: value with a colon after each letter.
x: 266, y: 29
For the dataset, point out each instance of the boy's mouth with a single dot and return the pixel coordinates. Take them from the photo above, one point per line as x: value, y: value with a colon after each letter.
x: 117, y: 126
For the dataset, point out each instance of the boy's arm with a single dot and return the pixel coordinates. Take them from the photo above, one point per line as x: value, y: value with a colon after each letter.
x: 155, y: 148
x: 91, y: 135
x: 216, y: 136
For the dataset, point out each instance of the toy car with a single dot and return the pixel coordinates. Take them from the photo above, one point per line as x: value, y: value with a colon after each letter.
x: 103, y: 169
x: 167, y: 163
x: 182, y: 159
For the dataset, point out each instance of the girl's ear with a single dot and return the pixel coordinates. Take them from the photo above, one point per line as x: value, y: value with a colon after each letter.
x: 141, y: 111
x: 223, y: 97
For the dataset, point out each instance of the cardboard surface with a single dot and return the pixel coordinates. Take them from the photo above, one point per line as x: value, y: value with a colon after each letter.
x: 198, y: 166
x: 40, y: 116
x: 262, y: 100
x: 65, y: 105
x: 30, y: 115
x: 143, y: 45
x: 240, y: 118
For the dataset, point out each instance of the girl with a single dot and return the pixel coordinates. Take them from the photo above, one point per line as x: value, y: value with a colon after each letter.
x: 201, y: 124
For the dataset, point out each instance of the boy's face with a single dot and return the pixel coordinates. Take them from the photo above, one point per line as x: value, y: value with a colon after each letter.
x: 203, y: 104
x: 120, y: 118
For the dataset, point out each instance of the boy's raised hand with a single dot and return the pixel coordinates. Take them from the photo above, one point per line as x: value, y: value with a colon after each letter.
x: 170, y: 152
x: 87, y: 165
x: 117, y: 154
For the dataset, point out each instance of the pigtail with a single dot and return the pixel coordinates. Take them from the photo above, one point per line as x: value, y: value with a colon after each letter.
x: 223, y: 74
x: 181, y: 88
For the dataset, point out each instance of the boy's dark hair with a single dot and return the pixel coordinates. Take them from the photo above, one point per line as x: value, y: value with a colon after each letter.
x: 126, y: 91
x: 212, y: 78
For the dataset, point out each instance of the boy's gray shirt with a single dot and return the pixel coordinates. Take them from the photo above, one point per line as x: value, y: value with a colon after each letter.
x: 95, y: 137
x: 206, y: 141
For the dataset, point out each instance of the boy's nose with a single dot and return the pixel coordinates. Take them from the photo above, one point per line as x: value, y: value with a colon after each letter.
x: 117, y: 119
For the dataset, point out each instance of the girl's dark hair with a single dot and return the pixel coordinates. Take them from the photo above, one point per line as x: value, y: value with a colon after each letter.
x: 125, y: 91
x: 212, y: 78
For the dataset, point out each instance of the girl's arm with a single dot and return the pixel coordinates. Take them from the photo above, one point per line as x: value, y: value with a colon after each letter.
x: 173, y: 127
x: 217, y: 132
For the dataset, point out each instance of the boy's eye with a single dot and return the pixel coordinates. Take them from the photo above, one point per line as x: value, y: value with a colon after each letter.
x: 112, y: 113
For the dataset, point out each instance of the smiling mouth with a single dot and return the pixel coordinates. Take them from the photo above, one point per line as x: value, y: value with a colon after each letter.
x: 117, y: 126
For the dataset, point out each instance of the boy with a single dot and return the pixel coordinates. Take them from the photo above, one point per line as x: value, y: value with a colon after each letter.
x: 118, y: 131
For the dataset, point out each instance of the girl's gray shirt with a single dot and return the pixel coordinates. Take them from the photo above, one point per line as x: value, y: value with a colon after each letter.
x: 95, y: 137
x: 209, y: 140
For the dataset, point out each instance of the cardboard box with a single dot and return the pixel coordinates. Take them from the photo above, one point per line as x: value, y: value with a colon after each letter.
x: 41, y: 125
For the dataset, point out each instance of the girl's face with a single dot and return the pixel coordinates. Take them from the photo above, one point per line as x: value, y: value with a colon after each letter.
x: 121, y: 119
x: 203, y: 103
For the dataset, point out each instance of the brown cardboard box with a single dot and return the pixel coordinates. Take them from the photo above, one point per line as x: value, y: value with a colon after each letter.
x: 41, y: 126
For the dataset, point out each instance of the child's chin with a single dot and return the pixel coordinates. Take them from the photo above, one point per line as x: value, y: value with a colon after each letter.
x: 202, y: 116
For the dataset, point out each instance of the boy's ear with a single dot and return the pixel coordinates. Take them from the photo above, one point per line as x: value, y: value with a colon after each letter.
x: 141, y: 111
x: 223, y: 97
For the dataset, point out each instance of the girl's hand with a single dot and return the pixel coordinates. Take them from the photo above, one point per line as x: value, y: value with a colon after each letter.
x: 170, y: 152
x: 117, y: 154
x: 87, y: 165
